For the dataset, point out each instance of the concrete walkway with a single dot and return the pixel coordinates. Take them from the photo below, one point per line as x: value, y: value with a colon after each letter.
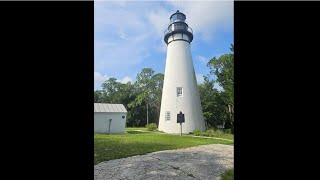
x: 200, y: 162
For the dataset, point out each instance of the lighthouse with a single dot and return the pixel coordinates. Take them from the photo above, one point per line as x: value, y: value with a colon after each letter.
x: 180, y: 90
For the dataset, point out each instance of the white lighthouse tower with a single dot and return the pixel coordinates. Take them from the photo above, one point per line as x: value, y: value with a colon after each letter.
x: 180, y: 91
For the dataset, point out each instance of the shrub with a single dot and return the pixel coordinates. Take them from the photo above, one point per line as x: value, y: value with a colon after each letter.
x: 200, y: 133
x: 196, y: 132
x: 151, y: 126
x: 218, y: 133
x: 227, y: 131
x: 204, y: 134
x: 210, y: 131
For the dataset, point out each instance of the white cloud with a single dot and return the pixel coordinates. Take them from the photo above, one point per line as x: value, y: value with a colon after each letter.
x: 159, y: 19
x: 206, y: 17
x: 123, y: 35
x: 126, y: 80
x: 200, y: 78
x: 99, y: 79
x: 202, y: 59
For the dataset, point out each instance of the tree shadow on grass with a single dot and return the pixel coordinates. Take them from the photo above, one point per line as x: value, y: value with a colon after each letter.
x: 136, y: 132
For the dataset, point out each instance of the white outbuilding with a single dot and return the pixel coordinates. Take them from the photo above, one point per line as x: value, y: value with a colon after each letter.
x: 109, y: 118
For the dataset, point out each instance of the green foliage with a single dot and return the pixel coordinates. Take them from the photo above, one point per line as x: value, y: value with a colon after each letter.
x: 213, y: 105
x: 148, y: 88
x: 144, y: 86
x: 228, y: 175
x: 115, y: 146
x: 151, y: 126
x: 227, y: 131
x: 156, y: 89
x: 213, y: 133
x: 98, y: 96
x: 197, y: 132
x: 216, y: 103
x: 217, y: 133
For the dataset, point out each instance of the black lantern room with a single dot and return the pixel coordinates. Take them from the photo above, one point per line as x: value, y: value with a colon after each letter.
x: 178, y: 29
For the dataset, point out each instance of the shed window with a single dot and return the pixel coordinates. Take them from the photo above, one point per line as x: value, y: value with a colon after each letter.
x: 179, y: 92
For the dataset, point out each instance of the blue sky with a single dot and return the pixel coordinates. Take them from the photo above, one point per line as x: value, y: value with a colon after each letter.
x: 128, y: 35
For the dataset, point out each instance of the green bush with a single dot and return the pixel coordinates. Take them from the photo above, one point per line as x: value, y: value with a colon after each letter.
x: 151, y: 126
x: 218, y: 133
x: 214, y: 133
x: 200, y: 133
x: 196, y: 132
x: 211, y: 131
x: 227, y: 131
x: 204, y: 134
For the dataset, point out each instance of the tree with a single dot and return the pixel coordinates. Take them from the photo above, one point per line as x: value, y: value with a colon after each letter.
x: 110, y: 86
x: 223, y: 69
x: 144, y: 87
x: 98, y: 96
x: 156, y: 94
x: 120, y: 93
x: 213, y: 105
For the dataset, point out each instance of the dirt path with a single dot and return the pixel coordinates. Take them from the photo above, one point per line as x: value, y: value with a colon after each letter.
x: 200, y: 162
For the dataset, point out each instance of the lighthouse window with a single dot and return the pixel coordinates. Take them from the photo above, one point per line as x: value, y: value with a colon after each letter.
x: 178, y: 17
x: 167, y: 116
x: 179, y: 91
x: 177, y: 26
x: 174, y: 17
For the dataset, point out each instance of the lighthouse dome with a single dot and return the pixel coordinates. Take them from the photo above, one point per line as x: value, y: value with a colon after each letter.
x: 178, y: 16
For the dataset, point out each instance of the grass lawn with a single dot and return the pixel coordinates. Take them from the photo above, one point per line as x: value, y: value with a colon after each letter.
x: 228, y: 175
x: 221, y: 135
x: 108, y: 147
x: 225, y: 136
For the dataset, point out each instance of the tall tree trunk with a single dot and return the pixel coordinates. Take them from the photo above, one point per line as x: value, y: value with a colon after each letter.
x: 158, y: 113
x: 147, y: 115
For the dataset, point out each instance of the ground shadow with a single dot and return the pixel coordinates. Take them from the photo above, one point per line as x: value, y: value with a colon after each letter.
x: 136, y: 132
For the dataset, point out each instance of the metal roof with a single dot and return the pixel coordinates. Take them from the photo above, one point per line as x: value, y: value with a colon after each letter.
x: 102, y: 107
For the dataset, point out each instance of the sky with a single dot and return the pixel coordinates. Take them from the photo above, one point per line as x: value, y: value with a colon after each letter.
x: 128, y: 36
